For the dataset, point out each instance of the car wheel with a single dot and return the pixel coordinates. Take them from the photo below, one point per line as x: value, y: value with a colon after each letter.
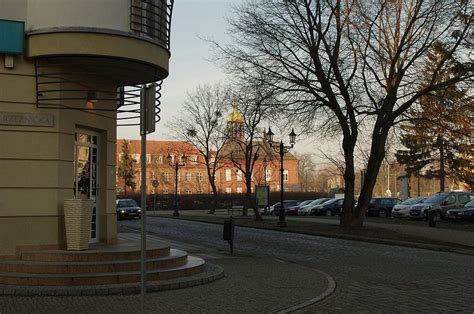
x: 328, y: 212
x: 382, y: 213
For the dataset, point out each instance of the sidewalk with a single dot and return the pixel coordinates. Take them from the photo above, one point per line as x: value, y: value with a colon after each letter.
x: 387, y: 233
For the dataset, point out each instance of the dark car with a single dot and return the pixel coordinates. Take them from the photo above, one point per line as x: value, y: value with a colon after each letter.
x: 463, y: 213
x: 329, y: 208
x: 275, y: 209
x: 382, y: 206
x: 128, y: 208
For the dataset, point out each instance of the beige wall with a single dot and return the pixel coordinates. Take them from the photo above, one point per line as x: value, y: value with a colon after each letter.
x: 36, y: 164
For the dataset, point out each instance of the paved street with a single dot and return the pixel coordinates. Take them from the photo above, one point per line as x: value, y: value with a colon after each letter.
x: 271, y: 271
x: 369, y: 276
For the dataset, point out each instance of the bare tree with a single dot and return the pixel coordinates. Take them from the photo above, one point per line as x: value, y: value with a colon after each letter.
x: 340, y: 65
x: 244, y: 149
x: 306, y: 171
x: 201, y: 123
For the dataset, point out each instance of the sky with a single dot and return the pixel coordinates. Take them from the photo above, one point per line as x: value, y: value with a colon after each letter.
x: 189, y: 62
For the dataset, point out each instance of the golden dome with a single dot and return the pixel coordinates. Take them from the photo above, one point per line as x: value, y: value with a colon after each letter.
x: 235, y: 116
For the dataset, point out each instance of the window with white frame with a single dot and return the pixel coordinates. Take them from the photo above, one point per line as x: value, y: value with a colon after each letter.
x: 193, y: 159
x: 148, y: 158
x: 239, y: 189
x: 188, y: 176
x: 228, y: 174
x: 228, y: 190
x: 239, y: 175
x: 179, y: 176
x: 199, y: 176
x: 159, y: 160
x: 268, y: 174
x: 136, y: 158
x: 285, y: 175
x: 166, y: 176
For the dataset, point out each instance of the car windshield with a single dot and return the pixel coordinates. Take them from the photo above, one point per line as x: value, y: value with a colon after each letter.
x: 127, y: 203
x: 305, y: 202
x: 437, y: 198
x: 331, y: 201
x: 470, y: 204
x: 411, y: 201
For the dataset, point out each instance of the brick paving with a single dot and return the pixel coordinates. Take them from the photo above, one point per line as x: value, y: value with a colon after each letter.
x: 273, y: 271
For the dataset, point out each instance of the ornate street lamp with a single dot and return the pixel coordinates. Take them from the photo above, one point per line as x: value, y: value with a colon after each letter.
x: 176, y: 164
x: 281, y: 149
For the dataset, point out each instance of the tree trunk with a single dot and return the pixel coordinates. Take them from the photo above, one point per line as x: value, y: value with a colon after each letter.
x: 348, y: 214
x: 214, y: 198
x: 377, y: 154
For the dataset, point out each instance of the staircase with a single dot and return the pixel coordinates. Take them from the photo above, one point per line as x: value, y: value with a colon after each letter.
x: 102, y: 267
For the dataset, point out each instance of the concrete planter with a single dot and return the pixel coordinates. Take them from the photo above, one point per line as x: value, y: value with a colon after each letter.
x: 78, y: 216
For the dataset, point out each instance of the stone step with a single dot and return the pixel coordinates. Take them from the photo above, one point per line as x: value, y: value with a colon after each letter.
x: 193, y: 266
x: 175, y: 259
x: 124, y: 250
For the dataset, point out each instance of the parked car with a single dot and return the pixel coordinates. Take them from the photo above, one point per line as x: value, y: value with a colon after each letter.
x: 464, y: 213
x: 382, y: 206
x: 306, y: 209
x: 329, y: 208
x: 440, y: 203
x: 275, y: 209
x: 402, y: 210
x: 293, y: 210
x: 128, y: 208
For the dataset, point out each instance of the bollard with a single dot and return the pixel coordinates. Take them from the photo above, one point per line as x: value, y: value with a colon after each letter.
x: 229, y: 233
x: 432, y: 218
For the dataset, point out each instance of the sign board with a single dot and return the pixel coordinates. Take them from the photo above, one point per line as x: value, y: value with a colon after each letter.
x: 147, y: 108
x: 262, y: 194
x: 12, y: 37
x: 26, y: 119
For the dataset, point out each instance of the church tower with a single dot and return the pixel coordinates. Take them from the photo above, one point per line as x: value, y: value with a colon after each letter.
x: 235, y: 123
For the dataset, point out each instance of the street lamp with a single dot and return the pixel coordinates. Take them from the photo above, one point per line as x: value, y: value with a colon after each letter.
x: 282, y: 150
x: 176, y: 164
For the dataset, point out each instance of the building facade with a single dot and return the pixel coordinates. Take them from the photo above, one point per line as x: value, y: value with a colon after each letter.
x: 63, y: 68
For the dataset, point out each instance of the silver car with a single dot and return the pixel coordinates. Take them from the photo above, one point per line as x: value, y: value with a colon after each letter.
x: 306, y: 210
x: 402, y: 210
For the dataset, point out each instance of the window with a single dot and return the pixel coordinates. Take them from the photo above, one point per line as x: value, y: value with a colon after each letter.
x: 451, y: 199
x: 188, y: 191
x: 172, y: 159
x: 268, y: 174
x: 239, y: 190
x: 193, y: 159
x: 148, y: 158
x: 463, y: 198
x: 159, y: 160
x: 166, y: 191
x: 200, y: 191
x: 188, y: 176
x: 228, y: 190
x: 199, y: 176
x: 239, y: 175
x: 228, y: 175
x: 179, y: 176
x: 136, y: 158
x: 285, y: 175
x: 165, y: 176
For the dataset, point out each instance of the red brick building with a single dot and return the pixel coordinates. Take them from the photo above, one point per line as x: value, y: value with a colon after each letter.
x: 192, y: 177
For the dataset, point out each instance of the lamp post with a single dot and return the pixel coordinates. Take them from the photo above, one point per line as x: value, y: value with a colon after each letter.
x: 176, y: 164
x: 281, y: 149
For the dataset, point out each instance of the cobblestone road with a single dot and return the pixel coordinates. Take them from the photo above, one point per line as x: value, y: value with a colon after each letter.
x: 369, y: 276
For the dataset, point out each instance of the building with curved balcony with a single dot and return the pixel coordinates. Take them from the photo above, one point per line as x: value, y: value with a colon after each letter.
x: 66, y: 71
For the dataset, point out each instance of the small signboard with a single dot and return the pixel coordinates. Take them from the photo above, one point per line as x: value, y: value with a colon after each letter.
x: 12, y: 37
x: 262, y: 194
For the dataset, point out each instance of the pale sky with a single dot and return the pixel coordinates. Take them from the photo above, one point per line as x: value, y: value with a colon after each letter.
x: 189, y: 65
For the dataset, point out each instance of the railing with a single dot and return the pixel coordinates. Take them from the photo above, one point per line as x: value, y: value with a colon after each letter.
x: 152, y: 19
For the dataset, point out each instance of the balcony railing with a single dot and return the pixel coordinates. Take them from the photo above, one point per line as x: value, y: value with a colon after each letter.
x: 152, y: 19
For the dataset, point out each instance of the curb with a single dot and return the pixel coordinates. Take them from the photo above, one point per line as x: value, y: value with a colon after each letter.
x: 211, y: 273
x: 424, y: 246
x: 329, y: 290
